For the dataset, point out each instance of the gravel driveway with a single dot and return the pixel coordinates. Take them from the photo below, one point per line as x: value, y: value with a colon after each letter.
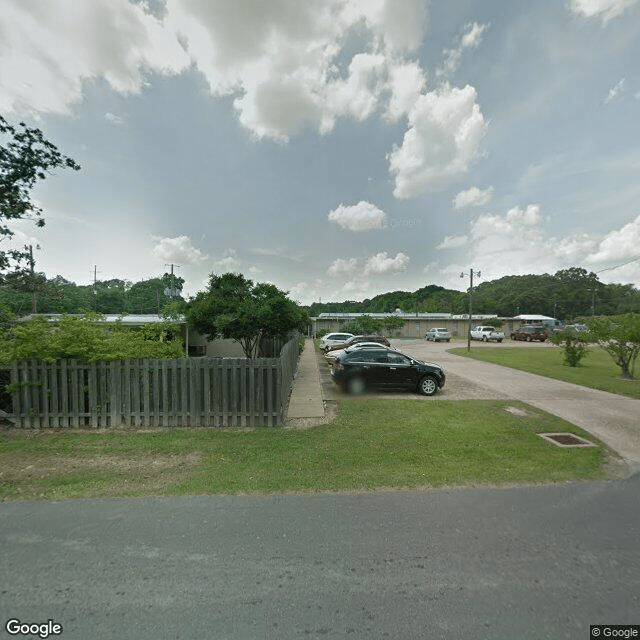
x: 614, y: 419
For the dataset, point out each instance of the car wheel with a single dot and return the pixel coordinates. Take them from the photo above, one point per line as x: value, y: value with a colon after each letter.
x: 428, y: 386
x: 528, y: 338
x: 499, y: 340
x: 356, y: 386
x: 484, y: 339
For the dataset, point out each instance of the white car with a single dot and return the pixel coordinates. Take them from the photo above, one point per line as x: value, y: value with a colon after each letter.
x: 332, y: 355
x: 437, y: 335
x: 486, y: 333
x: 333, y: 338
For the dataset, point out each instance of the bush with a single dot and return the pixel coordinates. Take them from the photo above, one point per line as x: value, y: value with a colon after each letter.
x: 87, y: 340
x: 573, y: 345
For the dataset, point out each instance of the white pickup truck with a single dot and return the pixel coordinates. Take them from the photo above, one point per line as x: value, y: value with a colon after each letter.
x: 486, y: 333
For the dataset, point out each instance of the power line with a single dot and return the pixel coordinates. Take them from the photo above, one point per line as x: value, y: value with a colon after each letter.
x: 624, y: 264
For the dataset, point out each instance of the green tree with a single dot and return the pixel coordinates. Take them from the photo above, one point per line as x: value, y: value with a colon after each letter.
x: 619, y: 336
x: 25, y: 158
x: 234, y: 307
x: 364, y: 325
x: 148, y: 296
x: 393, y: 322
x: 577, y: 291
x: 573, y: 344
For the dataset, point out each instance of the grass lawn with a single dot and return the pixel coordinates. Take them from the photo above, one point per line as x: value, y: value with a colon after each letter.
x: 597, y: 370
x: 372, y: 444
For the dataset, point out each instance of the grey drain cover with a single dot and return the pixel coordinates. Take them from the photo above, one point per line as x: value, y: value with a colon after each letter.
x: 566, y: 440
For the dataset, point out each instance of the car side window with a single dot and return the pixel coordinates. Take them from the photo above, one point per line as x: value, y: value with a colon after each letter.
x: 397, y: 358
x: 362, y: 355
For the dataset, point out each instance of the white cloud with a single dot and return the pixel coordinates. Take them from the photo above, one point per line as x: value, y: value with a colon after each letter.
x: 470, y: 39
x: 177, y: 250
x: 473, y: 37
x: 518, y: 243
x: 113, y: 118
x: 50, y: 49
x: 446, y: 127
x: 472, y: 197
x: 406, y: 81
x: 279, y: 59
x: 615, y: 91
x: 403, y: 23
x: 358, y: 217
x: 619, y: 245
x: 380, y: 263
x: 607, y: 9
x: 228, y: 262
x: 453, y: 242
x: 342, y: 266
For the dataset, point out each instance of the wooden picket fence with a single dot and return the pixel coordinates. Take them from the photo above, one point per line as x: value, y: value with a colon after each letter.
x: 195, y: 392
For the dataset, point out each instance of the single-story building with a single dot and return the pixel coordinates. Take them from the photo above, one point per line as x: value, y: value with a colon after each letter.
x: 417, y: 324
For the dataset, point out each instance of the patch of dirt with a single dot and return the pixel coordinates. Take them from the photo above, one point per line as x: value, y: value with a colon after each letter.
x: 29, y: 465
x: 29, y: 473
x: 516, y: 412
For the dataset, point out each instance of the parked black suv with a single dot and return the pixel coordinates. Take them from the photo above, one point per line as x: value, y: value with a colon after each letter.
x: 385, y: 368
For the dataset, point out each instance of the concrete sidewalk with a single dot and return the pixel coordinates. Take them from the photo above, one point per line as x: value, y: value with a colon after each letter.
x: 306, y: 401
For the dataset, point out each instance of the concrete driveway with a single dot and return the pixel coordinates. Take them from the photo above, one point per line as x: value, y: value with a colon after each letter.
x: 614, y: 419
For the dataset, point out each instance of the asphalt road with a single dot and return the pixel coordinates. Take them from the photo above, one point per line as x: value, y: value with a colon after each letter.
x: 541, y: 562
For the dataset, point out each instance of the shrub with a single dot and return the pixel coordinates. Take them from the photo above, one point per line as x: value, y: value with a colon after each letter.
x: 85, y: 339
x: 573, y: 345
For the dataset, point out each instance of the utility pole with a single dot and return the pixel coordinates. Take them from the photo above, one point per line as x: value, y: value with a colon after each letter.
x: 171, y: 291
x: 32, y: 277
x: 95, y: 288
x: 462, y: 275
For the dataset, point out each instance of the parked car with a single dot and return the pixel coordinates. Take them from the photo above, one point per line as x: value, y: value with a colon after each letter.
x: 333, y: 338
x: 578, y: 328
x: 355, y: 339
x: 486, y: 333
x: 332, y: 354
x: 438, y: 335
x: 384, y: 368
x: 529, y: 332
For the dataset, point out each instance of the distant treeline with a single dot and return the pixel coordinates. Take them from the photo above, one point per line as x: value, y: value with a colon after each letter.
x: 20, y: 292
x: 565, y: 295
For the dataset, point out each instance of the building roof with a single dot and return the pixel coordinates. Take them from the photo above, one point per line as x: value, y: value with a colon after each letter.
x: 532, y: 316
x: 127, y: 320
x: 327, y: 315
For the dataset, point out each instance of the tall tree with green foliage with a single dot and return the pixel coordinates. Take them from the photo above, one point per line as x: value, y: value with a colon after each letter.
x: 619, y: 336
x: 234, y: 307
x: 25, y: 158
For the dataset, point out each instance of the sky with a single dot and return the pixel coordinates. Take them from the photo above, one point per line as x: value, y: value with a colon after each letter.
x: 336, y: 148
